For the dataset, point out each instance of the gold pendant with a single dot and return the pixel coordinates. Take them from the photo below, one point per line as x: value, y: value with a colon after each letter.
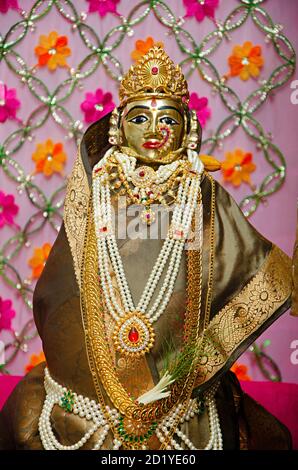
x: 147, y: 216
x: 133, y: 334
x: 143, y: 177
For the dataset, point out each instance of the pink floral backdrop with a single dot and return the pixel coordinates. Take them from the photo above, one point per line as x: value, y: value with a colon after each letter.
x: 60, y: 66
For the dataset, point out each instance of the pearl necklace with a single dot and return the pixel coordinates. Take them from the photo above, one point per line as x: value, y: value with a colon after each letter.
x: 128, y: 165
x: 144, y: 185
x: 92, y: 412
x: 133, y: 334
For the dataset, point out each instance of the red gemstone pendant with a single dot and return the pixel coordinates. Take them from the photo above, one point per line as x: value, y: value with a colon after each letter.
x: 133, y: 335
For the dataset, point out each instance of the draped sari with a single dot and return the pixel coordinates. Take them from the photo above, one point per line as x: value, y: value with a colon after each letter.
x: 251, y: 289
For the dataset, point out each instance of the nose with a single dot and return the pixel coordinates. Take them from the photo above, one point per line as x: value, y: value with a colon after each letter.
x: 153, y: 123
x: 153, y: 126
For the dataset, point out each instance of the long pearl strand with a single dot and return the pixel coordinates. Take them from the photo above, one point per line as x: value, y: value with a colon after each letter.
x: 170, y: 253
x: 92, y: 411
x: 215, y: 442
x: 83, y: 407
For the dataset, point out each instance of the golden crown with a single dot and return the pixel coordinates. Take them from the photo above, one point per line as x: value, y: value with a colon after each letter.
x: 154, y: 74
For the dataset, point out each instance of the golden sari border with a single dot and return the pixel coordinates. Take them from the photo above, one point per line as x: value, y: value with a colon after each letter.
x: 245, y: 314
x: 75, y: 213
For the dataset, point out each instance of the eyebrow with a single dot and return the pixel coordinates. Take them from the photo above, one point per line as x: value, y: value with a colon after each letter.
x: 147, y: 107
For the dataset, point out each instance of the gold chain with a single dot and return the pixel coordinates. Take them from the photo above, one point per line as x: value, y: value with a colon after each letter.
x: 85, y: 317
x: 194, y: 266
x: 211, y: 254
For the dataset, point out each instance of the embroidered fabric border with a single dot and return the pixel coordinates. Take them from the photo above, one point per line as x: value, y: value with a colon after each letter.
x: 245, y: 313
x: 75, y: 213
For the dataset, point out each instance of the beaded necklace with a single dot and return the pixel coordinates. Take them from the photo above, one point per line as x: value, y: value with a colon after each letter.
x: 134, y: 335
x: 100, y: 359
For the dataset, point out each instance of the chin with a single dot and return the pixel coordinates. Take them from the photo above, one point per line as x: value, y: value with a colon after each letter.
x: 150, y: 156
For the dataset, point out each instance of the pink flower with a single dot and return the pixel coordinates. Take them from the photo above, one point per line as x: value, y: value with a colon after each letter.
x: 102, y: 7
x: 201, y: 107
x: 97, y: 105
x: 6, y: 4
x: 8, y: 103
x: 6, y: 314
x: 8, y: 209
x: 200, y: 8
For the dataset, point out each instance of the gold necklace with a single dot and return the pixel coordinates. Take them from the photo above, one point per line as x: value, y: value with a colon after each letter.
x: 99, y: 354
x: 144, y: 180
x: 94, y: 327
x: 211, y: 254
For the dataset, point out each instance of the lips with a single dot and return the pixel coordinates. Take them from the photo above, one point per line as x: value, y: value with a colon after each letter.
x: 152, y: 144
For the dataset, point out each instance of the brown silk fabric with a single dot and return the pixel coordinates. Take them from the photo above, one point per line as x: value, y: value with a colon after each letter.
x: 240, y: 252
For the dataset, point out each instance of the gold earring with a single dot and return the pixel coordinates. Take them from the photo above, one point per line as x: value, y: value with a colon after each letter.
x: 114, y: 132
x: 192, y: 138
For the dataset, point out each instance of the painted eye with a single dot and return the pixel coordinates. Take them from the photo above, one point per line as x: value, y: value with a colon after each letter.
x: 139, y: 119
x: 168, y: 120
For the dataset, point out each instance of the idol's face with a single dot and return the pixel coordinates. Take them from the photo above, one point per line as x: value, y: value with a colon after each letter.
x: 153, y: 128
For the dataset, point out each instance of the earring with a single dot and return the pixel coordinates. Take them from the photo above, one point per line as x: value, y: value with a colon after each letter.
x: 114, y: 131
x: 192, y: 138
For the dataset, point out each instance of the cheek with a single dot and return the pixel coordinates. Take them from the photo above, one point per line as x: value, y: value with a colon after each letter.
x: 132, y: 133
x: 179, y: 133
x: 176, y: 137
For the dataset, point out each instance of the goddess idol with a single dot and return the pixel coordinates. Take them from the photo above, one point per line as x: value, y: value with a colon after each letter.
x: 140, y: 330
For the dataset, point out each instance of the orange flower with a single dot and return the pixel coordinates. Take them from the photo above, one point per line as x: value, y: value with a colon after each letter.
x: 237, y: 167
x: 35, y: 359
x: 240, y: 370
x: 38, y: 260
x: 142, y: 47
x: 246, y: 61
x: 49, y: 158
x: 52, y: 51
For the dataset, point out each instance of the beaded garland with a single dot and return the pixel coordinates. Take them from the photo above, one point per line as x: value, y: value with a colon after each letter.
x: 92, y: 412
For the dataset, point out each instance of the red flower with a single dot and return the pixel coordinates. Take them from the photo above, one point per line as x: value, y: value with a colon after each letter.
x: 102, y: 7
x: 240, y: 370
x: 49, y: 157
x: 201, y: 107
x: 39, y: 259
x: 200, y: 8
x: 8, y: 209
x: 246, y: 61
x: 6, y: 314
x: 97, y: 105
x: 52, y: 51
x: 237, y: 167
x: 142, y: 47
x: 8, y: 103
x: 6, y: 4
x: 35, y: 359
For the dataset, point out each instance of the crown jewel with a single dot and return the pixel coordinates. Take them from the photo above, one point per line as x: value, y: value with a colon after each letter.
x: 154, y: 74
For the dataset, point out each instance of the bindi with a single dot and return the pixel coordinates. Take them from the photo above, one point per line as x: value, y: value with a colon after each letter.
x: 153, y: 103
